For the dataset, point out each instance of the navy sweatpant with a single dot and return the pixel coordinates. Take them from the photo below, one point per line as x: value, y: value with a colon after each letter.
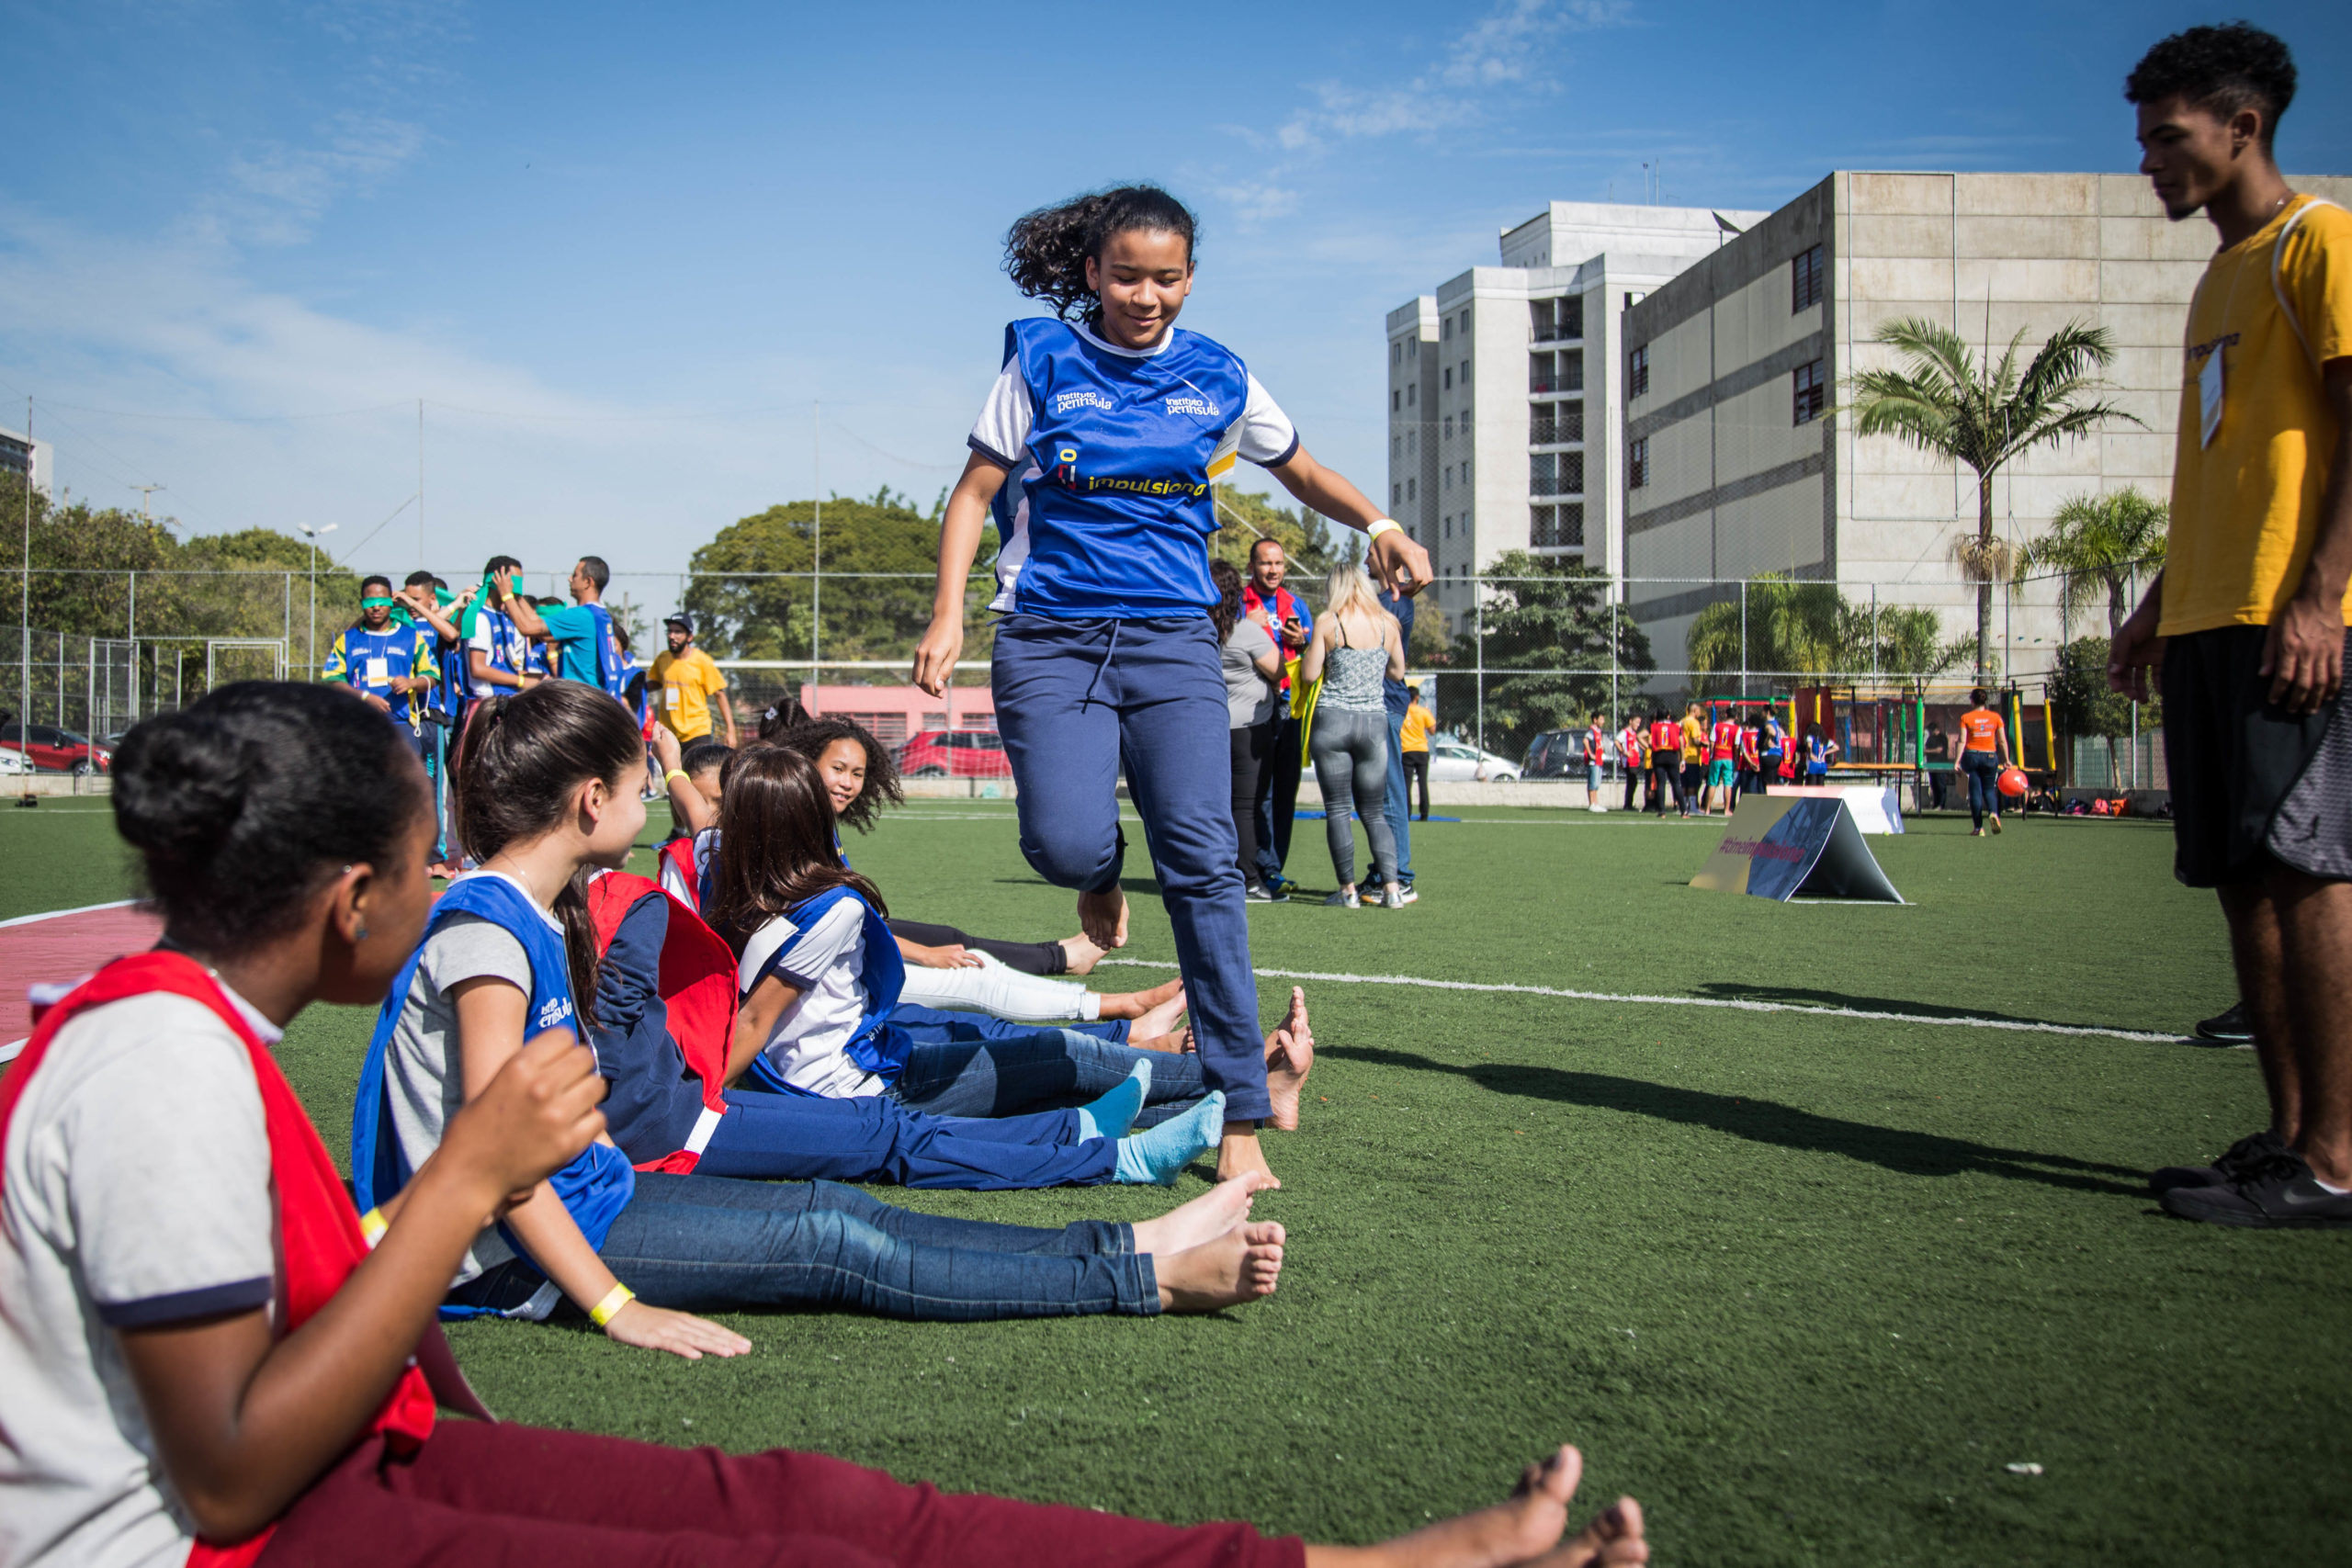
x: 1074, y: 701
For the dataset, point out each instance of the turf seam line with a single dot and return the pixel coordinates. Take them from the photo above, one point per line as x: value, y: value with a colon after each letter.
x: 61, y: 914
x: 2016, y: 1025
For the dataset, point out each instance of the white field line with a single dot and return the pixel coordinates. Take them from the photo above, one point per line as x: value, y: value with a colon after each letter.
x: 61, y: 914
x: 2019, y: 1026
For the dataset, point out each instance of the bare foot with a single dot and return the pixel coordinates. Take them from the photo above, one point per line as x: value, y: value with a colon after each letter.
x: 1290, y: 1056
x: 1079, y: 956
x: 1238, y: 1155
x: 1175, y: 1042
x: 1104, y: 916
x: 1614, y: 1537
x: 1233, y: 1269
x: 1139, y: 1004
x: 1203, y: 1219
x: 1159, y: 1018
x: 1527, y: 1522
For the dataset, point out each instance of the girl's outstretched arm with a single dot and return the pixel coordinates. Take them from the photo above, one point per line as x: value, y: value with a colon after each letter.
x: 960, y: 541
x: 245, y: 1423
x: 1396, y: 563
x: 489, y: 1027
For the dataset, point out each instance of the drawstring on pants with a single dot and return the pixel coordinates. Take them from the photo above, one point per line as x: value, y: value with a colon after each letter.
x: 1110, y: 651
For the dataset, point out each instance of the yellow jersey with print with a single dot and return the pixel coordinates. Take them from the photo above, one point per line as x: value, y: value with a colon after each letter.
x: 2256, y: 431
x: 684, y: 684
x: 1413, y: 735
x: 1694, y: 740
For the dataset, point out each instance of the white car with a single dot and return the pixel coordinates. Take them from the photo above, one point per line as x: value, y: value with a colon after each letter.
x: 14, y: 762
x: 1452, y: 762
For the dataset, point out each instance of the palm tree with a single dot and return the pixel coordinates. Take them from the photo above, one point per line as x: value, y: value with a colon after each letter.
x: 1811, y: 628
x: 1946, y: 402
x: 2095, y: 544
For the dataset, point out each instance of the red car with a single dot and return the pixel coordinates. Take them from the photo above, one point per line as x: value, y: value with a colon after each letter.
x: 55, y: 750
x: 955, y: 753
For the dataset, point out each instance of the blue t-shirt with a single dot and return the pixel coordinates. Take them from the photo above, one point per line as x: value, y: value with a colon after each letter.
x: 576, y: 630
x: 1110, y: 454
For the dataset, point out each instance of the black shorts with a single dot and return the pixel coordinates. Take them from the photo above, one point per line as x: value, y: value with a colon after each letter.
x: 2251, y: 785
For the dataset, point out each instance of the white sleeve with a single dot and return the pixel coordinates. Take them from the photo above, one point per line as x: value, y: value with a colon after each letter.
x: 839, y: 931
x: 1002, y: 430
x: 1267, y: 437
x: 168, y: 1171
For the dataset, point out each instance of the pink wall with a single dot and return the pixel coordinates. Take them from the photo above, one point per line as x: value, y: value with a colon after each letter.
x: 893, y: 713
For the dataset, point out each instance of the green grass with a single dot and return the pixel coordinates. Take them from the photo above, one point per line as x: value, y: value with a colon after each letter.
x: 1805, y: 1285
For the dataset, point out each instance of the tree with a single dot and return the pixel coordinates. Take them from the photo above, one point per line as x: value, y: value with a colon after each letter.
x: 1811, y: 628
x: 2096, y: 544
x: 1944, y: 400
x: 1551, y: 616
x: 1313, y: 546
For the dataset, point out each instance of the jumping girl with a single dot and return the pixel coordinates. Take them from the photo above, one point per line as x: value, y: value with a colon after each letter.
x: 545, y: 794
x: 1113, y: 425
x: 202, y: 1360
x: 820, y: 977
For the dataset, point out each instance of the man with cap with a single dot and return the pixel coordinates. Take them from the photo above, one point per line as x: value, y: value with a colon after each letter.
x: 687, y: 680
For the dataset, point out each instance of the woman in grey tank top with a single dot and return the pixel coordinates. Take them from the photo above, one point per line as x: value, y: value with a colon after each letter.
x: 1357, y: 645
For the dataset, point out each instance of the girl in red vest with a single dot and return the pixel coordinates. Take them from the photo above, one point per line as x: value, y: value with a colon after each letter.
x: 203, y: 1361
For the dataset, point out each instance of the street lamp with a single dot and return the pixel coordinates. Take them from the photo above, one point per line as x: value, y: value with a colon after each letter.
x: 312, y: 534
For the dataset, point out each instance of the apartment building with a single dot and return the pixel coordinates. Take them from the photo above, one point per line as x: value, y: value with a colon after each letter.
x: 1731, y: 467
x: 1505, y: 421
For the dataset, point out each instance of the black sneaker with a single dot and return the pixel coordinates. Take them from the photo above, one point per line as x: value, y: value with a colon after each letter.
x: 2279, y: 1193
x: 2228, y: 1028
x: 1259, y: 893
x: 2234, y: 1163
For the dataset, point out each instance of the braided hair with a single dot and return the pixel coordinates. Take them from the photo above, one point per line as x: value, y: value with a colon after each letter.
x: 1046, y: 251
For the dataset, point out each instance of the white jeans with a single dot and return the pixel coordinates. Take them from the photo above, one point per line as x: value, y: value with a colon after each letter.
x: 996, y: 987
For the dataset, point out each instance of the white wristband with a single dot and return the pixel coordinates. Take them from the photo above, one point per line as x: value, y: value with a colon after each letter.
x: 1383, y: 526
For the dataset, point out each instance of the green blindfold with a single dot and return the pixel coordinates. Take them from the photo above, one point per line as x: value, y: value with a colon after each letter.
x: 375, y: 602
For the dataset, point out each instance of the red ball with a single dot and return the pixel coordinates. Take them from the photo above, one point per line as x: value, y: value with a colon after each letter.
x: 2012, y: 783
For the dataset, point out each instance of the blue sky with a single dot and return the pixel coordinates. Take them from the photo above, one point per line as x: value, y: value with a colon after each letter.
x: 619, y: 250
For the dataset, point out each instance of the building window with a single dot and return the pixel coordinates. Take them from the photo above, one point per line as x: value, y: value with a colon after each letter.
x: 1558, y: 527
x: 1395, y: 402
x: 1572, y: 316
x: 1395, y: 448
x: 1466, y: 372
x: 1449, y: 379
x: 1555, y: 473
x: 1540, y: 315
x: 1465, y: 470
x: 1572, y: 370
x: 1637, y: 373
x: 1449, y: 475
x: 1808, y: 392
x: 1542, y: 373
x: 1413, y: 395
x: 1395, y: 353
x: 1449, y: 427
x: 1447, y: 331
x: 1556, y: 422
x: 1413, y: 442
x: 1637, y: 464
x: 1804, y: 280
x: 1412, y: 490
x: 1397, y: 495
x: 1465, y: 321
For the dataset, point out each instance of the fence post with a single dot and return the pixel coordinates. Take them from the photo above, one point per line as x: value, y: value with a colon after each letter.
x: 1873, y: 633
x: 1478, y: 632
x: 1743, y: 637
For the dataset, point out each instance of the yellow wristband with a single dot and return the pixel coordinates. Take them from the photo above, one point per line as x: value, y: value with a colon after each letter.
x: 676, y: 774
x: 372, y: 1227
x: 603, y: 1311
x: 1383, y: 526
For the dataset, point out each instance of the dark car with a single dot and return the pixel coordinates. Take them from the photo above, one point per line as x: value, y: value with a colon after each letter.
x: 955, y: 753
x: 1555, y: 754
x: 55, y: 750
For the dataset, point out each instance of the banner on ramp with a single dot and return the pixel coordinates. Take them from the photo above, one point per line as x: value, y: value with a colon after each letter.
x: 1779, y: 846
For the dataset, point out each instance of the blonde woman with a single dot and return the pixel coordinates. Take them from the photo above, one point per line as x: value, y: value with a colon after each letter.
x: 1356, y: 645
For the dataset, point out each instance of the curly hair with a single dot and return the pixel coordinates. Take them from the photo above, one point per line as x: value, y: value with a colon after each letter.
x: 2222, y: 70
x: 811, y: 736
x: 1223, y: 615
x: 1046, y: 251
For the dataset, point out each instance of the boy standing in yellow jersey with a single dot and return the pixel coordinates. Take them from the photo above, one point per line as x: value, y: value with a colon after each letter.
x: 684, y: 681
x: 2248, y: 616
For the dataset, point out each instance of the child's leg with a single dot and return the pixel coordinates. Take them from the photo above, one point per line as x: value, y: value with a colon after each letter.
x: 1335, y: 777
x: 802, y: 1138
x: 1061, y: 736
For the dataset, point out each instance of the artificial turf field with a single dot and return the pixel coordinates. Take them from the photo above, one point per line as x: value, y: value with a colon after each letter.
x: 1807, y: 1285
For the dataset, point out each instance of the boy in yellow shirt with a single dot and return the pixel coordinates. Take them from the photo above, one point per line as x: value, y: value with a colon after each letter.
x: 2248, y: 615
x: 684, y: 680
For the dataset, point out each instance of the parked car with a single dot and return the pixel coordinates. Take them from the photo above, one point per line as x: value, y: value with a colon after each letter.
x: 955, y: 753
x: 1555, y: 754
x: 1454, y: 762
x: 55, y: 750
x: 14, y: 762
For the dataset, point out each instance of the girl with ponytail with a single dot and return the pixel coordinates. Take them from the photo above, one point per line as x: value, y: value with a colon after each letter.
x: 1113, y: 427
x: 212, y: 1358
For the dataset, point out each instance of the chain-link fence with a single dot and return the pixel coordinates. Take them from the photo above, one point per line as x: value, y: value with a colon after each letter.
x: 1541, y: 646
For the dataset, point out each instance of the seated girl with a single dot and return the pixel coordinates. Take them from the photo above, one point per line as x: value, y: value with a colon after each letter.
x: 662, y: 1030
x: 202, y: 1360
x: 820, y: 976
x: 949, y: 971
x: 544, y: 797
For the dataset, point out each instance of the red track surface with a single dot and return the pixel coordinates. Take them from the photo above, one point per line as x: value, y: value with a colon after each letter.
x: 66, y: 946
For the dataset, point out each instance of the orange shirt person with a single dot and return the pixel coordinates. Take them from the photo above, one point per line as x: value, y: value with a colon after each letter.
x: 1985, y: 747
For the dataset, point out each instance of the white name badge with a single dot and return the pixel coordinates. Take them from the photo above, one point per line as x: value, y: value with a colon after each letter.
x: 380, y: 670
x: 2209, y: 396
x: 670, y: 698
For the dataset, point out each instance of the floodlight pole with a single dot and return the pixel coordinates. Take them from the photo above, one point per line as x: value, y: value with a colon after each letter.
x: 24, y: 606
x: 312, y: 534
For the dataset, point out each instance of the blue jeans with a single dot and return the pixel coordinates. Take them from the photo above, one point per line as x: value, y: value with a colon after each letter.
x: 705, y: 1244
x: 805, y: 1137
x: 1045, y: 1067
x: 1397, y: 805
x: 1075, y: 700
x: 1983, y: 771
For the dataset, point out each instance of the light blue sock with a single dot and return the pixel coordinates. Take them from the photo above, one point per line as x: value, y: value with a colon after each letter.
x: 1156, y: 1156
x: 1111, y: 1116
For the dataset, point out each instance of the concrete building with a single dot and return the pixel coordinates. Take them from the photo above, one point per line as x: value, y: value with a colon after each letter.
x: 23, y: 457
x: 1503, y: 407
x: 1731, y: 470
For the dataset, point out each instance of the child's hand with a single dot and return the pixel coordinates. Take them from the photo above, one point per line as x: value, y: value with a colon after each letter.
x: 666, y: 749
x: 681, y: 1333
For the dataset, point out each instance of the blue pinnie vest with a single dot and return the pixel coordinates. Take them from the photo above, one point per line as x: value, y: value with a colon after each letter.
x: 1111, y: 509
x: 878, y: 1046
x: 612, y: 664
x: 596, y: 1185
